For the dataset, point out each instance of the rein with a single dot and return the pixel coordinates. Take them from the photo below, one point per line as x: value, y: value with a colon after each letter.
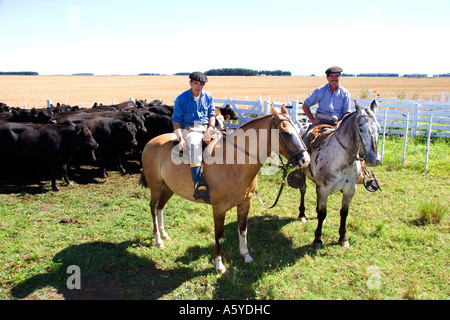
x: 284, y: 167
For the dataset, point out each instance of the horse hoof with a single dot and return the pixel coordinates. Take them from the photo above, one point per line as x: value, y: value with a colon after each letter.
x: 248, y: 259
x: 317, y: 245
x: 344, y: 243
x: 222, y: 270
x: 166, y: 237
x: 302, y: 219
x: 219, y: 266
x: 160, y: 245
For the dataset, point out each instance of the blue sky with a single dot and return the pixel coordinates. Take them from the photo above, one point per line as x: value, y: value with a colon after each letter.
x: 304, y: 37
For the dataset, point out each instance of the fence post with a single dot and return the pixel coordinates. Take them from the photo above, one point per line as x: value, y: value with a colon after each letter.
x: 294, y: 113
x: 384, y: 134
x: 406, y: 138
x: 428, y: 141
x: 25, y: 104
x: 260, y: 105
x: 49, y: 102
x: 415, y: 121
x: 266, y: 108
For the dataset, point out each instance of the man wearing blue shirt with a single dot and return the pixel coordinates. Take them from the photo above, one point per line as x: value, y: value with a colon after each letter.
x: 333, y: 100
x: 193, y: 115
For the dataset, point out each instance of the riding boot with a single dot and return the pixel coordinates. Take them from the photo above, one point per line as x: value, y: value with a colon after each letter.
x: 201, y: 189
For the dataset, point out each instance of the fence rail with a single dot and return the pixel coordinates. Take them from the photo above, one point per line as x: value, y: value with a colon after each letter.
x: 392, y: 114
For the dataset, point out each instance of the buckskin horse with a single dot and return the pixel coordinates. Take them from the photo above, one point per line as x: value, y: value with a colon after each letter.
x: 232, y: 182
x: 335, y: 165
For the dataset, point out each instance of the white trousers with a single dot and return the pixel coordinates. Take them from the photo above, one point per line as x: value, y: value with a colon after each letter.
x: 194, y: 135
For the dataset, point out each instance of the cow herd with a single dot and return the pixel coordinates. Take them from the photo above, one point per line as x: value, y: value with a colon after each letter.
x: 40, y: 144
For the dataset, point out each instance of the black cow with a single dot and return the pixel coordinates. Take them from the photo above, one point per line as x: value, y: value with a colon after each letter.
x: 156, y: 124
x: 114, y: 137
x: 80, y: 116
x: 23, y: 144
x: 228, y: 113
x: 120, y: 106
x: 33, y: 115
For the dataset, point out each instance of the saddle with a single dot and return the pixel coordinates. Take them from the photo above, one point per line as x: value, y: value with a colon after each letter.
x: 318, y: 134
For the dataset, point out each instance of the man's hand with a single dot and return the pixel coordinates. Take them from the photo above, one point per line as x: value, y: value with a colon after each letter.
x: 181, y: 144
x: 315, y: 121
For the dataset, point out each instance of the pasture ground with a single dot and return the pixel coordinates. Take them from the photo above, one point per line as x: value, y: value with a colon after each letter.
x: 104, y: 226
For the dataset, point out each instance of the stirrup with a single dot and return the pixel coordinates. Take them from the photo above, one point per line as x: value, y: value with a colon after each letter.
x: 201, y: 190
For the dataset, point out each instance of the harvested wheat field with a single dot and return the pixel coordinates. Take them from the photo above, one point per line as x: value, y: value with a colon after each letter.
x: 35, y: 90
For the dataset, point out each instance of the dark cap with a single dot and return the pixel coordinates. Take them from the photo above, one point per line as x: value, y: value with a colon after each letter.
x: 333, y: 69
x: 198, y: 76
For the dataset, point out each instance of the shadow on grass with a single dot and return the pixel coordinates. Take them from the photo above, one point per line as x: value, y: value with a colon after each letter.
x: 109, y: 271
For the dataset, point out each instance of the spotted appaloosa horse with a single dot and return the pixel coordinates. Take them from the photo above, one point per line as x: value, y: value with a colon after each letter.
x: 232, y: 182
x: 335, y: 165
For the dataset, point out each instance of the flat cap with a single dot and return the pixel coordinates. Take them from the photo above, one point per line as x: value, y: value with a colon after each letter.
x: 333, y: 69
x: 198, y: 76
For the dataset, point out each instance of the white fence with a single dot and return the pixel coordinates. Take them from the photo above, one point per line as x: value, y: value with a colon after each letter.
x: 396, y: 116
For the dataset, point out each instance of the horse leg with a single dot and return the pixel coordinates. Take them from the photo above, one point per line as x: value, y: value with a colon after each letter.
x: 219, y: 220
x: 346, y: 199
x: 242, y: 216
x: 157, y: 205
x: 302, y: 216
x: 321, y: 215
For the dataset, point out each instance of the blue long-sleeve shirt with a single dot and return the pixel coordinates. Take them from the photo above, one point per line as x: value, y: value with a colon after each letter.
x: 330, y: 104
x: 186, y: 111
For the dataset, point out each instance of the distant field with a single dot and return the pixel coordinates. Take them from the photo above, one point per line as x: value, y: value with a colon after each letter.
x: 35, y: 90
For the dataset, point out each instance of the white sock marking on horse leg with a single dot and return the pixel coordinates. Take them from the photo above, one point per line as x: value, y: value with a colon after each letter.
x: 163, y: 233
x: 219, y: 265
x: 158, y: 241
x: 243, y: 249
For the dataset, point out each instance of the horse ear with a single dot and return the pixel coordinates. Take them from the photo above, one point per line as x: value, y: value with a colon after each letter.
x: 274, y: 111
x: 358, y: 108
x: 373, y: 106
x: 284, y: 110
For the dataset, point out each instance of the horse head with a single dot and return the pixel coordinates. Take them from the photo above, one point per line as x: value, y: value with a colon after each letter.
x: 368, y: 132
x: 292, y: 145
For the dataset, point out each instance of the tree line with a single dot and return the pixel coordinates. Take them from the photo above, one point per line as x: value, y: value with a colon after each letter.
x: 18, y: 73
x: 245, y: 72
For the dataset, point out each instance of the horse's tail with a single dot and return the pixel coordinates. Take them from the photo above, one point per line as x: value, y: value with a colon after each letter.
x: 142, y: 180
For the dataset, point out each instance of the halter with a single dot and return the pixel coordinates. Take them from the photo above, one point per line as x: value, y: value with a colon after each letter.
x: 355, y: 157
x: 283, y: 142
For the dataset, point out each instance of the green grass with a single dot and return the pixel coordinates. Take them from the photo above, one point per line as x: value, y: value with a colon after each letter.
x: 105, y: 228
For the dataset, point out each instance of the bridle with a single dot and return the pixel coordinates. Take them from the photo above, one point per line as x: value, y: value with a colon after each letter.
x: 349, y: 151
x: 285, y: 144
x: 284, y: 166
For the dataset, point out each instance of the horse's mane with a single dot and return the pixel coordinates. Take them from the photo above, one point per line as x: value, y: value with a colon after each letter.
x: 254, y: 120
x: 346, y: 119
